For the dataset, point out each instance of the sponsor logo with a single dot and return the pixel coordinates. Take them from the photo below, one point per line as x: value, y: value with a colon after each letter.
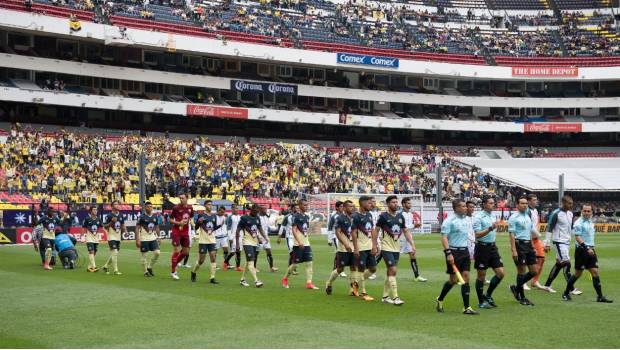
x: 388, y: 62
x: 552, y: 127
x: 216, y: 111
x: 4, y: 239
x: 545, y: 71
x: 272, y: 88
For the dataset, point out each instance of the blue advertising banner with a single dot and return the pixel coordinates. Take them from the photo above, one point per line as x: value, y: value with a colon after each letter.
x: 350, y: 58
x: 254, y: 86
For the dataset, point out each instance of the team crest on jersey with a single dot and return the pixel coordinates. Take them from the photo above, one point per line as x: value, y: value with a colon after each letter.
x: 151, y: 226
x: 117, y: 225
x: 51, y: 226
x: 253, y: 230
x: 93, y: 228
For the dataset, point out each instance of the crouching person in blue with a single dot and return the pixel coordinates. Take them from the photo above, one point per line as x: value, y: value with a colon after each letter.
x: 65, y: 245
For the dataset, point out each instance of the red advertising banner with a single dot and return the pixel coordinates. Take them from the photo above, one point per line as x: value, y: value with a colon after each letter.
x: 552, y: 127
x: 24, y: 235
x: 545, y: 71
x: 217, y: 112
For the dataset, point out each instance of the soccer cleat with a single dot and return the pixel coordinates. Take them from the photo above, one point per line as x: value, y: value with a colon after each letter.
x: 515, y: 293
x: 47, y: 267
x: 193, y: 278
x: 485, y: 305
x: 438, y: 305
x: 387, y: 300
x: 187, y: 266
x: 239, y: 269
x: 105, y: 269
x: 342, y: 274
x: 602, y: 299
x: 537, y: 285
x: 397, y: 301
x: 526, y: 302
x: 372, y: 277
x: 92, y: 269
x: 549, y: 289
x: 367, y: 297
x: 487, y: 282
x: 243, y: 283
x: 490, y: 301
x: 526, y: 287
x: 71, y: 264
x: 146, y: 274
x: 576, y: 292
x: 295, y: 273
x: 285, y: 282
x: 150, y: 272
x: 470, y: 311
x: 174, y: 276
x: 328, y: 289
x: 420, y: 279
x: 258, y: 284
x: 273, y: 269
x: 356, y: 289
x: 310, y: 285
x: 117, y: 273
x: 566, y: 297
x: 213, y: 281
x: 225, y: 266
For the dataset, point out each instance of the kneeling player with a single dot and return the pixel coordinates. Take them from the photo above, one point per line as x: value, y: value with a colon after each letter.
x: 523, y: 254
x: 345, y: 245
x: 147, y: 238
x: 585, y: 255
x: 365, y: 251
x: 250, y: 225
x: 302, y: 252
x: 206, y: 225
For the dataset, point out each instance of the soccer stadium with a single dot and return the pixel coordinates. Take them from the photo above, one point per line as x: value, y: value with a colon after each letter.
x: 284, y: 173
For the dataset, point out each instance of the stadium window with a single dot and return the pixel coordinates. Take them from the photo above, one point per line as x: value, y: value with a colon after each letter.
x: 285, y: 71
x: 318, y: 74
x: 264, y: 70
x: 150, y: 58
x: 231, y: 66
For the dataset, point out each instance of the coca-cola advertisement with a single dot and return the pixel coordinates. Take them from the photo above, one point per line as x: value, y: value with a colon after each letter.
x: 552, y: 127
x: 216, y: 112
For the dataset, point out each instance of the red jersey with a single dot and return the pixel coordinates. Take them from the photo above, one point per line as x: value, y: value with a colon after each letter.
x: 179, y: 213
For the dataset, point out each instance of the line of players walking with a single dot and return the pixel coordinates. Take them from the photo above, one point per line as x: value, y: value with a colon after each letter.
x: 362, y: 238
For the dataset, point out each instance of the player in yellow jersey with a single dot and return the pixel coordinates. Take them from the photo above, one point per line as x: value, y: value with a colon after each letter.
x: 302, y: 252
x: 92, y: 224
x: 114, y: 226
x: 250, y: 225
x: 206, y: 226
x: 345, y: 246
x: 147, y: 238
x: 362, y: 242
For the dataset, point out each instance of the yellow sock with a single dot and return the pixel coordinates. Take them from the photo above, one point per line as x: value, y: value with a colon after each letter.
x: 114, y: 258
x: 107, y: 262
x: 144, y: 262
x: 196, y: 266
x: 253, y: 271
x: 332, y: 277
x: 154, y: 258
x: 290, y: 270
x: 247, y: 267
x: 91, y: 261
x: 309, y: 271
x: 213, y: 268
x: 386, y: 287
x: 48, y: 255
x: 362, y: 282
x: 393, y: 286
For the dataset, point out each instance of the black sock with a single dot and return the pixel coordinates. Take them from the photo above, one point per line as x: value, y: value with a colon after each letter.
x: 228, y: 257
x: 494, y: 283
x: 237, y: 259
x: 480, y: 290
x: 414, y: 267
x: 566, y: 271
x: 444, y: 291
x: 570, y: 285
x: 555, y: 270
x: 465, y: 295
x: 527, y: 277
x: 270, y: 260
x: 290, y: 259
x: 596, y: 282
x: 520, y: 291
x: 256, y: 259
x: 185, y: 259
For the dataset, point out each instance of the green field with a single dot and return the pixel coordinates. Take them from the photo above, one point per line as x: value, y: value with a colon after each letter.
x: 75, y: 309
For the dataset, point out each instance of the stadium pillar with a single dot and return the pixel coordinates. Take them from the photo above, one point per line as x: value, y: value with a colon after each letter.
x: 142, y: 184
x: 560, y: 189
x: 439, y: 191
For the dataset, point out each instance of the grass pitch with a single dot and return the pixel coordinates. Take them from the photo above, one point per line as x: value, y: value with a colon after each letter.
x: 75, y: 309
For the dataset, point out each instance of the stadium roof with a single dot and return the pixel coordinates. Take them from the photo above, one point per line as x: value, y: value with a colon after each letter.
x: 542, y: 174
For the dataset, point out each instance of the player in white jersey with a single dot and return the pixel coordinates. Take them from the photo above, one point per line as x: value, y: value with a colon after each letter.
x: 231, y: 226
x: 471, y: 235
x: 221, y: 234
x: 411, y: 223
x: 265, y: 245
x: 559, y: 231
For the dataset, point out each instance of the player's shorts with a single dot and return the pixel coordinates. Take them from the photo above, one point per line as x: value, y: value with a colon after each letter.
x: 263, y: 246
x: 561, y: 251
x: 345, y: 259
x: 539, y: 247
x: 181, y: 239
x: 405, y: 247
x: 487, y: 256
x: 366, y: 260
x: 585, y: 261
x: 47, y: 243
x: 114, y: 245
x: 300, y: 256
x: 221, y: 242
x: 206, y: 248
x: 92, y: 247
x: 390, y: 258
x: 149, y: 246
x: 525, y: 253
x: 250, y: 252
x: 461, y: 260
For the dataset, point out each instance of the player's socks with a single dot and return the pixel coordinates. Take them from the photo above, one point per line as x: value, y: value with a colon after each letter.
x: 444, y: 291
x: 555, y: 270
x: 228, y: 257
x: 333, y: 276
x: 237, y: 259
x: 494, y: 283
x: 252, y: 271
x: 309, y: 271
x: 393, y: 286
x: 174, y: 260
x: 480, y: 290
x: 270, y: 260
x: 154, y: 258
x: 145, y: 264
x: 244, y: 271
x: 362, y: 279
x: 386, y: 288
x: 465, y: 295
x: 566, y: 271
x: 48, y: 255
x: 290, y: 270
x: 414, y: 267
x: 91, y: 260
x: 185, y: 259
x: 213, y: 269
x: 290, y: 258
x: 570, y: 284
x: 196, y: 266
x: 114, y: 258
x: 596, y: 282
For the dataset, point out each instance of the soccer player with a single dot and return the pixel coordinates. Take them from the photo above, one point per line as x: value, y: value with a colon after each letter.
x: 362, y: 243
x: 302, y: 252
x: 392, y: 225
x: 585, y: 255
x: 486, y: 254
x: 250, y: 225
x: 231, y: 224
x: 343, y: 228
x: 147, y: 238
x: 374, y: 213
x: 559, y: 228
x: 410, y: 224
x: 114, y: 226
x: 539, y: 247
x: 454, y: 235
x: 206, y: 226
x: 331, y: 233
x: 50, y: 224
x: 286, y: 232
x: 523, y: 254
x: 265, y: 245
x: 221, y: 236
x: 179, y: 218
x: 92, y: 224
